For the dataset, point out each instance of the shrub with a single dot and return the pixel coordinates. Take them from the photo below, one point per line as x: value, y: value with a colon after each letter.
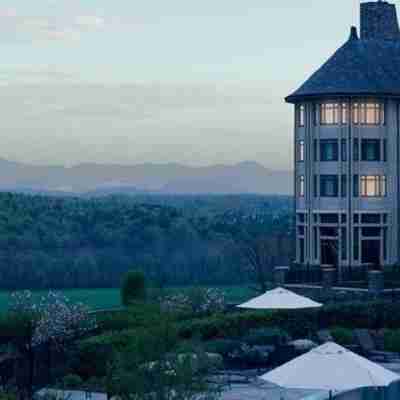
x: 93, y: 357
x: 265, y: 337
x: 138, y: 315
x: 342, y: 336
x: 196, y: 302
x: 225, y: 326
x: 72, y: 381
x: 133, y: 288
x: 222, y: 346
x: 392, y: 340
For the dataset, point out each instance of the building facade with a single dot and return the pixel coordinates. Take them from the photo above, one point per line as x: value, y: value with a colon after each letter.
x: 347, y: 149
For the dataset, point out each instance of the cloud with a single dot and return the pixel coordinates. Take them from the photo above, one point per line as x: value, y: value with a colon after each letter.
x: 70, y: 27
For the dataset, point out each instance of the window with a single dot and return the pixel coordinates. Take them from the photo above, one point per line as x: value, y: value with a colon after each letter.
x: 344, y: 244
x: 315, y: 243
x: 368, y: 113
x: 301, y: 230
x: 370, y: 150
x: 344, y: 149
x: 315, y: 150
x: 329, y: 218
x: 371, y: 232
x: 302, y: 186
x: 356, y: 244
x: 344, y: 185
x: 373, y: 186
x: 301, y: 115
x: 302, y: 251
x: 302, y: 218
x: 329, y: 185
x: 329, y: 114
x: 356, y: 150
x: 329, y: 231
x: 385, y: 150
x: 356, y: 188
x: 345, y: 114
x: 329, y: 150
x: 315, y: 185
x: 371, y: 218
x: 356, y: 218
x: 385, y: 243
x: 301, y: 150
x: 344, y: 218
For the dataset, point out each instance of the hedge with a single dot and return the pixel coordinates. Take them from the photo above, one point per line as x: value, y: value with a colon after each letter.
x: 371, y: 315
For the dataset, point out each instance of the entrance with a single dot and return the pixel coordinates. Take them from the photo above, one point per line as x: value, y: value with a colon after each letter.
x: 329, y: 252
x: 371, y: 252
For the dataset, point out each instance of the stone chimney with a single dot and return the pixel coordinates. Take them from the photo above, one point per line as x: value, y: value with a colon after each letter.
x: 379, y: 21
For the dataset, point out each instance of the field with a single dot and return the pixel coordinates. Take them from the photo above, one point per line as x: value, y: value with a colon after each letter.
x: 99, y: 299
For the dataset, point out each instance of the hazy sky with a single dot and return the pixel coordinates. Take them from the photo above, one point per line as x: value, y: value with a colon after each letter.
x: 130, y: 81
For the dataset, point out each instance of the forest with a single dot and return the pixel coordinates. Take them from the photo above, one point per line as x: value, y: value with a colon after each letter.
x: 55, y: 243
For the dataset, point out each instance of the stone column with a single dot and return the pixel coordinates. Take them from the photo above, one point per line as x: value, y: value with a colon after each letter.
x: 328, y: 278
x: 376, y: 283
x: 280, y: 274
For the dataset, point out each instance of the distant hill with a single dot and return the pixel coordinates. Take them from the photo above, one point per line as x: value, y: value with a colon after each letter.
x: 103, y: 179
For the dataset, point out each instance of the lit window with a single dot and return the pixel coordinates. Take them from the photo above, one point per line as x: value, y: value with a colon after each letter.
x: 301, y: 150
x: 301, y: 118
x: 370, y: 150
x: 373, y: 186
x: 329, y: 186
x: 329, y: 150
x: 329, y: 114
x: 302, y: 186
x: 344, y: 113
x: 368, y: 113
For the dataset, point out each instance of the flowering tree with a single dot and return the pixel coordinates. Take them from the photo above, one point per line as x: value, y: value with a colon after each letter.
x: 53, y: 319
x: 196, y: 302
x: 56, y: 318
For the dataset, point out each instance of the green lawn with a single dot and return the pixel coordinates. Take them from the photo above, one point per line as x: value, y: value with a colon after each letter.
x: 109, y: 298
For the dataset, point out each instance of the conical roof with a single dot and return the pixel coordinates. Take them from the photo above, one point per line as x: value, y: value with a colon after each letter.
x: 364, y: 66
x: 359, y: 67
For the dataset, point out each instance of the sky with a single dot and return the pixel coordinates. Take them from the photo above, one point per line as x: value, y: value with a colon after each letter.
x: 186, y: 81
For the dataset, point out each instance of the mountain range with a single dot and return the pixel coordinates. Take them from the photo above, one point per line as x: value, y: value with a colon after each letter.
x: 103, y: 179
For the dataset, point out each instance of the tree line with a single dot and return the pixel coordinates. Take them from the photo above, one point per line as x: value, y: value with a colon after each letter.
x: 49, y: 242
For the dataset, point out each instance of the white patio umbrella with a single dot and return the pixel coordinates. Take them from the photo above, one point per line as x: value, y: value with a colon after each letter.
x: 280, y: 299
x: 332, y: 368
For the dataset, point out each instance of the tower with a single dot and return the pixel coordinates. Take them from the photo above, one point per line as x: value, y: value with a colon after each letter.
x: 347, y: 141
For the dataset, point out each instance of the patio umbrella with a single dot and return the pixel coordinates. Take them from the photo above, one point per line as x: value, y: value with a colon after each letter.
x: 332, y: 368
x: 280, y: 299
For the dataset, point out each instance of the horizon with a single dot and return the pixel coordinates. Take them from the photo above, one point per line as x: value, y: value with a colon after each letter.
x: 142, y: 83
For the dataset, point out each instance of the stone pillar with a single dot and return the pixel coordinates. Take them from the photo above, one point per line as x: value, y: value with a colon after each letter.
x: 376, y: 282
x: 328, y: 277
x: 280, y: 274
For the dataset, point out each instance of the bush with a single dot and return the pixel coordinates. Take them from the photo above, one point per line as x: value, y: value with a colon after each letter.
x: 196, y: 302
x: 222, y: 346
x: 133, y: 288
x: 266, y: 337
x: 72, y: 382
x: 342, y: 336
x: 392, y: 340
x: 138, y: 315
x: 225, y: 326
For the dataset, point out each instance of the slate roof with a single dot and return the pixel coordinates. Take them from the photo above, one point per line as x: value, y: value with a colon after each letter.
x: 360, y: 67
